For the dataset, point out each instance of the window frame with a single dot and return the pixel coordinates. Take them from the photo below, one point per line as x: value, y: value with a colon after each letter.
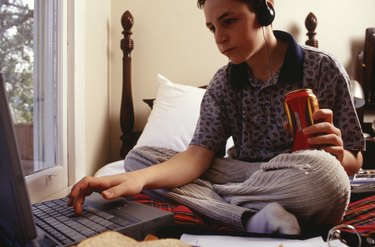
x: 51, y: 60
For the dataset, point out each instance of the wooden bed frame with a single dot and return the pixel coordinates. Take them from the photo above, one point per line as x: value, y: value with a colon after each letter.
x: 129, y: 137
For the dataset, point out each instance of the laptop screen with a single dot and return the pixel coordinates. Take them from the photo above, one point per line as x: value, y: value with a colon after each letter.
x: 16, y: 220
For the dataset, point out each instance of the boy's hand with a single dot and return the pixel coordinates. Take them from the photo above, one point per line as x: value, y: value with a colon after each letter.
x: 110, y: 187
x: 324, y: 135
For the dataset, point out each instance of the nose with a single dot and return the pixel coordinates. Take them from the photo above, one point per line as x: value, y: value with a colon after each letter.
x: 220, y: 37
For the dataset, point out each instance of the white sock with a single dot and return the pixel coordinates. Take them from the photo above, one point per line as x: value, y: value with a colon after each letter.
x: 273, y: 218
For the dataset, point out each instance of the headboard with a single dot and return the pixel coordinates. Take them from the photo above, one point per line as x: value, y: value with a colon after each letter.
x: 129, y: 137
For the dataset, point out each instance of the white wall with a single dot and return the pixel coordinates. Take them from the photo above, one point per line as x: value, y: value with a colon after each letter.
x: 171, y: 38
x: 341, y: 24
x: 97, y: 83
x: 89, y: 135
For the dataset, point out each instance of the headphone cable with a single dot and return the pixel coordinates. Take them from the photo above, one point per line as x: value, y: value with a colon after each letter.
x: 272, y: 83
x: 268, y: 53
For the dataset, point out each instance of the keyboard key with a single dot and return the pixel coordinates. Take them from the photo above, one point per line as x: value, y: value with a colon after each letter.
x: 55, y: 218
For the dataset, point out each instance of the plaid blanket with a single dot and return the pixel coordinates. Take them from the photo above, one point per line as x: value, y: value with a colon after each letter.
x: 360, y: 214
x: 182, y: 214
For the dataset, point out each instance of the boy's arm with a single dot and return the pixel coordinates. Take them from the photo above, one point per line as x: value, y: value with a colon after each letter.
x: 181, y: 169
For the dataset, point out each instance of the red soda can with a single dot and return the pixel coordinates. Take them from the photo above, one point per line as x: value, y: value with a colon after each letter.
x: 299, y: 105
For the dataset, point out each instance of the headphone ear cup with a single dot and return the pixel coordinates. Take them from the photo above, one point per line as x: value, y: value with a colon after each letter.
x: 265, y: 13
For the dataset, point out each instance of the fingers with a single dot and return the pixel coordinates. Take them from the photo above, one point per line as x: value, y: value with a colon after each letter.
x: 110, y: 187
x: 326, y: 140
x: 83, y: 188
x: 115, y: 192
x: 323, y: 128
x: 323, y: 115
x: 327, y: 137
x: 324, y: 135
x: 336, y: 151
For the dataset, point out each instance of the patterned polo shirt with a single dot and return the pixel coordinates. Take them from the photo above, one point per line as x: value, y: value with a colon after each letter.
x: 251, y: 111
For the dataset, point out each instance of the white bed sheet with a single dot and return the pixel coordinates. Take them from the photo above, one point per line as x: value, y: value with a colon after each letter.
x: 111, y: 169
x: 218, y: 241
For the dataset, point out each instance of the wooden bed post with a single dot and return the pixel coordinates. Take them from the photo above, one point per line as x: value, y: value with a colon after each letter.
x: 310, y: 23
x: 127, y: 110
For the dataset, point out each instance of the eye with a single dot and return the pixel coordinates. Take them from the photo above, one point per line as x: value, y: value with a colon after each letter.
x: 211, y: 28
x: 229, y: 21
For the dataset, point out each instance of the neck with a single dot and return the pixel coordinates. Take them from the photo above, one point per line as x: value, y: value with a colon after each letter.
x: 270, y: 57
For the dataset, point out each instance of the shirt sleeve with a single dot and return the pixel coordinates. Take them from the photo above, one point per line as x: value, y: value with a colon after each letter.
x: 335, y: 94
x: 212, y: 129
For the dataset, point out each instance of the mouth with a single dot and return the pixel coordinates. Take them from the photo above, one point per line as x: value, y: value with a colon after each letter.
x: 228, y: 50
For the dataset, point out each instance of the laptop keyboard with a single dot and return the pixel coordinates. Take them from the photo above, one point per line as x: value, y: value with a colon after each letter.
x: 55, y: 218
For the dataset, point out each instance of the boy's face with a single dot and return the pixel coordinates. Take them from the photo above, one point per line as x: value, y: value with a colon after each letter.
x: 236, y: 30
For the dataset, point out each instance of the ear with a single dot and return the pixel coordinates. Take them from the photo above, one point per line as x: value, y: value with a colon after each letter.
x: 265, y: 13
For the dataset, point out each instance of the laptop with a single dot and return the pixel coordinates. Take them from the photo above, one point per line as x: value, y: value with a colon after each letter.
x: 52, y: 223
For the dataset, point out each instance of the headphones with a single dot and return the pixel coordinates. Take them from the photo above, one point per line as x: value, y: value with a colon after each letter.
x: 265, y: 12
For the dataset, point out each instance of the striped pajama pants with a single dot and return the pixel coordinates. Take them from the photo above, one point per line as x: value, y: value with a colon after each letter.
x: 310, y: 184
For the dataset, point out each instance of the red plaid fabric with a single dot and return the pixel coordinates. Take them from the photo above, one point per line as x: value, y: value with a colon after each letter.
x: 182, y: 214
x: 361, y: 215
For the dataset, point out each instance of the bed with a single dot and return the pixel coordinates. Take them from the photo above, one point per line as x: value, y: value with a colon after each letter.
x: 186, y: 100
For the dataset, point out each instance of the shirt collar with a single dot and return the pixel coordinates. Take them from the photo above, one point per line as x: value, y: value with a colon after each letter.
x: 291, y: 71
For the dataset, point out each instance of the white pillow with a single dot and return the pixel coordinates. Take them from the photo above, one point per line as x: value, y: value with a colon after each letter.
x: 174, y: 116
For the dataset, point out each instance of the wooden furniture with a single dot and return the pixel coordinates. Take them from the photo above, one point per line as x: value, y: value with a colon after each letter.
x: 310, y: 23
x: 129, y: 136
x: 365, y: 75
x: 369, y: 154
x: 368, y: 68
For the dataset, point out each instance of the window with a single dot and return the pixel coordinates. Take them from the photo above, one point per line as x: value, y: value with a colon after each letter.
x: 33, y: 54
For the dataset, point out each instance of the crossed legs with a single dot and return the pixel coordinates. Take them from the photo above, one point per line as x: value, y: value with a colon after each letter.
x: 307, y: 188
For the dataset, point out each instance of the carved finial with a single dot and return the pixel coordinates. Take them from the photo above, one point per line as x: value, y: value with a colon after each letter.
x: 127, y: 22
x: 310, y: 23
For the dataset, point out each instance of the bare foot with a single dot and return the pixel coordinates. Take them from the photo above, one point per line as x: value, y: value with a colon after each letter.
x: 273, y: 218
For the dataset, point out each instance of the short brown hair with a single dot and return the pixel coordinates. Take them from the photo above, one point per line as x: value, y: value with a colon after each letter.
x: 251, y: 3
